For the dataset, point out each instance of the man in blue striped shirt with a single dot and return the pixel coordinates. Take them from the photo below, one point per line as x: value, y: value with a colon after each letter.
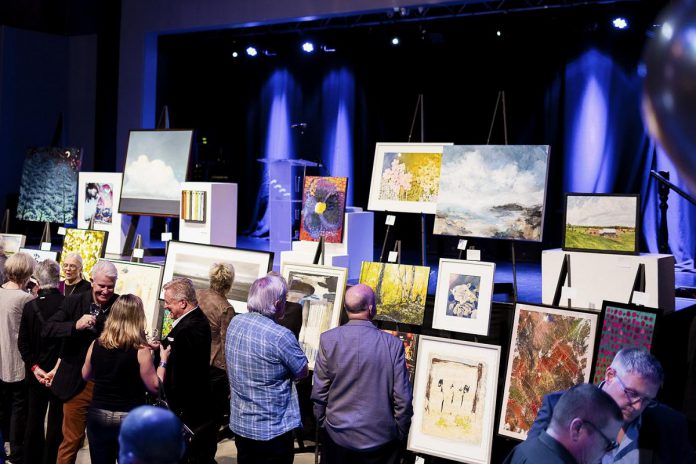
x: 263, y: 360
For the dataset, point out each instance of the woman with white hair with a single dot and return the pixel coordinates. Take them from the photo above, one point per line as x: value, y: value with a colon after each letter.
x: 73, y: 283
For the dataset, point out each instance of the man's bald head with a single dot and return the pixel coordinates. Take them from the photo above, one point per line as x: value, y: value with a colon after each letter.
x: 360, y: 299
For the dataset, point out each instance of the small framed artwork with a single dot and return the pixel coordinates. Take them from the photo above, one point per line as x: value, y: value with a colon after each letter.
x: 193, y: 261
x: 454, y: 399
x: 410, y: 341
x: 323, y: 208
x: 319, y: 290
x: 98, y: 196
x: 551, y: 349
x: 40, y: 255
x: 623, y: 326
x: 193, y: 206
x: 89, y: 244
x: 602, y: 223
x: 406, y: 177
x: 12, y: 242
x: 463, y: 296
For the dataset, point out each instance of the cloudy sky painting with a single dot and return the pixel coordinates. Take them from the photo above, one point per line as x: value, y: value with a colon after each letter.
x: 494, y: 191
x: 601, y: 211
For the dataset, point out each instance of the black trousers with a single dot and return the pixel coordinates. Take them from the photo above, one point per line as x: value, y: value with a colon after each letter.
x: 333, y: 453
x: 203, y: 447
x: 220, y: 388
x: 38, y: 449
x: 13, y: 416
x: 102, y: 432
x: 278, y: 450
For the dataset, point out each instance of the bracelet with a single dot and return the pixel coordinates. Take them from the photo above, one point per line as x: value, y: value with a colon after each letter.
x: 163, y: 364
x: 34, y: 367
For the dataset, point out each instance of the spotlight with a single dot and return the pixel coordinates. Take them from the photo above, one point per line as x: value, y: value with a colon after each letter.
x: 395, y: 41
x: 235, y: 54
x: 498, y: 33
x: 251, y: 51
x: 620, y: 23
x: 308, y: 47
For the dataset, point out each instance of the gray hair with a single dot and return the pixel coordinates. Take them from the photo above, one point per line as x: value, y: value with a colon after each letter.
x: 105, y: 268
x: 47, y: 273
x: 182, y: 289
x: 265, y: 292
x: 640, y: 362
x: 588, y: 402
x: 74, y: 255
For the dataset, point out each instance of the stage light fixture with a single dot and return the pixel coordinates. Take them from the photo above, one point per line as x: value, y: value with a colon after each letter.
x: 308, y: 47
x: 395, y: 41
x: 620, y: 23
x: 235, y: 54
x: 327, y: 49
x: 498, y: 33
x: 251, y: 51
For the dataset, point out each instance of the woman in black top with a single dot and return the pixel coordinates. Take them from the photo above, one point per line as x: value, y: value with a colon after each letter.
x: 121, y: 366
x: 73, y: 283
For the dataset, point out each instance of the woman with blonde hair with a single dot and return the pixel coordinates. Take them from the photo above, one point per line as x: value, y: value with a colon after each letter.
x: 121, y: 365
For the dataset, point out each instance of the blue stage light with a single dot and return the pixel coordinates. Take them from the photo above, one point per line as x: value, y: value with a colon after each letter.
x: 620, y: 23
x: 251, y: 51
x: 308, y: 47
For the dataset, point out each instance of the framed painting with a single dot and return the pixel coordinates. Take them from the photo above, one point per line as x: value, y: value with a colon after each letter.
x: 323, y: 209
x: 193, y: 261
x: 89, y: 244
x: 405, y: 177
x: 463, y: 296
x: 603, y: 223
x: 98, y: 196
x: 48, y: 187
x: 492, y: 191
x: 410, y: 341
x: 156, y: 165
x: 40, y: 255
x: 454, y: 399
x: 400, y: 290
x: 193, y: 206
x: 551, y: 349
x: 319, y: 290
x: 144, y: 281
x: 623, y: 326
x: 12, y: 242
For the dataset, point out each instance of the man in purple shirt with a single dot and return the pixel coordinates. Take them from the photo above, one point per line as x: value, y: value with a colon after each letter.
x: 361, y: 393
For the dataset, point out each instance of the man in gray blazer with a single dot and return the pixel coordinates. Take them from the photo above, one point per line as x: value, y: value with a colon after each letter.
x: 361, y: 393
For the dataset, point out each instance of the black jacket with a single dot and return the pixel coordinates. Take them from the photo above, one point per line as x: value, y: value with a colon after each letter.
x: 32, y: 346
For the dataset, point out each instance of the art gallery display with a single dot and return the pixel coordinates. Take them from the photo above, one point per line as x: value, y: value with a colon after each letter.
x: 601, y: 223
x: 323, y: 208
x: 98, y: 196
x: 193, y: 261
x: 492, y: 191
x: 319, y: 290
x: 406, y: 177
x: 463, y: 296
x: 551, y: 349
x: 89, y: 244
x: 48, y: 188
x: 193, y: 206
x: 400, y: 290
x: 40, y: 255
x: 410, y: 341
x: 156, y: 165
x: 454, y: 399
x: 12, y: 242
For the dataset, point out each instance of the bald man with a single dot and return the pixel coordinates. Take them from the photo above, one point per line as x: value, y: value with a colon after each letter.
x: 361, y: 393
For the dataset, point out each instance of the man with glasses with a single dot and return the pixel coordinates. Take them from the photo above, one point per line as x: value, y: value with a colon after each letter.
x: 651, y: 432
x: 580, y: 432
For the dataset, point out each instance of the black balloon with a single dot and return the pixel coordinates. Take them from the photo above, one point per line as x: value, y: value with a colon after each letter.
x: 669, y: 90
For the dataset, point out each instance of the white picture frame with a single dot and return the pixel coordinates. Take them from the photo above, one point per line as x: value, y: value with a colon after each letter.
x: 86, y: 207
x: 40, y: 255
x: 13, y: 242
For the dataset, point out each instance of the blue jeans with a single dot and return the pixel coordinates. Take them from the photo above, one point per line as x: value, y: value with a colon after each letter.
x: 102, y: 432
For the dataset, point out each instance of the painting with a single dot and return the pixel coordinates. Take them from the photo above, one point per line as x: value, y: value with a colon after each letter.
x: 144, y: 281
x: 193, y: 206
x: 193, y: 261
x: 98, y: 196
x: 601, y: 223
x: 492, y: 191
x: 89, y: 244
x: 48, y: 187
x: 12, y: 243
x: 463, y: 296
x: 319, y: 290
x: 551, y: 350
x: 323, y: 209
x: 410, y: 341
x: 406, y: 177
x: 454, y: 399
x: 156, y: 165
x: 400, y: 290
x: 40, y: 255
x: 623, y: 326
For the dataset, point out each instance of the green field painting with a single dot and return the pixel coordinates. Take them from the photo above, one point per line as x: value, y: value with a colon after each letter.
x: 600, y: 238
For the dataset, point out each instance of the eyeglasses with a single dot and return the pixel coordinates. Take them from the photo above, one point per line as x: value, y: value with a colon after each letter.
x: 611, y: 444
x: 70, y: 266
x: 634, y: 397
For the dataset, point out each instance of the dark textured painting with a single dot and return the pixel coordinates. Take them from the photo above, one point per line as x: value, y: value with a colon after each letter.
x: 410, y: 341
x: 323, y: 208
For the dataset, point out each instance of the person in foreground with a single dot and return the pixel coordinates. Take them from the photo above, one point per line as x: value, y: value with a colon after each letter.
x: 151, y: 435
x: 263, y: 359
x: 361, y: 393
x: 651, y: 432
x: 581, y: 431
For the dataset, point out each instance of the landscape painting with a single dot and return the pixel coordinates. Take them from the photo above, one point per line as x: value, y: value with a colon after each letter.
x: 89, y: 244
x: 551, y: 350
x: 323, y: 208
x: 400, y: 290
x: 602, y: 223
x: 410, y: 341
x: 492, y: 191
x: 12, y: 243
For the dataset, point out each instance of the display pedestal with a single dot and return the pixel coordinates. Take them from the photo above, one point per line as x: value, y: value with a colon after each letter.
x: 357, y: 246
x: 602, y: 276
x: 220, y: 226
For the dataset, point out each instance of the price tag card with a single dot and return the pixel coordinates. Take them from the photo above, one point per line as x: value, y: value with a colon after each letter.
x: 45, y: 246
x: 391, y: 219
x: 61, y: 231
x: 419, y: 460
x: 568, y: 293
x: 641, y: 298
x: 392, y: 256
x: 473, y: 255
x: 462, y: 244
x: 138, y: 252
x: 166, y: 236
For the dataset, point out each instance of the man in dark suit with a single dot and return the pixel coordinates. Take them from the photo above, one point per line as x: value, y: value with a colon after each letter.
x: 187, y: 384
x: 651, y: 432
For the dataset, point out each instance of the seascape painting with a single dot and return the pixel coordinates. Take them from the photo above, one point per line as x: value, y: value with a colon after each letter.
x: 323, y: 208
x: 410, y: 341
x: 48, y: 188
x: 400, y: 290
x: 98, y: 197
x: 492, y: 191
x: 12, y: 243
x: 89, y: 244
x: 604, y: 223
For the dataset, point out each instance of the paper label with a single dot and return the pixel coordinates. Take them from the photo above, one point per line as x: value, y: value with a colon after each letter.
x: 138, y: 252
x: 462, y: 244
x: 568, y: 293
x: 45, y: 246
x: 641, y: 298
x: 419, y: 460
x: 166, y: 236
x: 473, y: 255
x: 392, y: 256
x: 61, y: 231
x: 391, y: 219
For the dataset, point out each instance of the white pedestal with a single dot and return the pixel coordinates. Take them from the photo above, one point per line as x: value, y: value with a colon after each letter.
x: 220, y: 226
x: 598, y: 276
x: 357, y: 246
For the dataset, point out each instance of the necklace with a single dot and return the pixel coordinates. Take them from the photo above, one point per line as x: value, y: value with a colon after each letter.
x: 72, y: 287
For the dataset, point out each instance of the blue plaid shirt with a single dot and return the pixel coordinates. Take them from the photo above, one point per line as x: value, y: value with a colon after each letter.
x: 262, y: 359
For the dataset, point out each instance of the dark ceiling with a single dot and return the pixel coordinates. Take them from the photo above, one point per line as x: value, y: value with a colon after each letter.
x: 64, y: 17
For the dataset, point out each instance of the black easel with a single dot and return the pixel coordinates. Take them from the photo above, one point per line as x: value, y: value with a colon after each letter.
x: 384, y: 243
x: 420, y: 106
x: 562, y: 276
x: 638, y: 282
x: 319, y: 254
x: 6, y: 222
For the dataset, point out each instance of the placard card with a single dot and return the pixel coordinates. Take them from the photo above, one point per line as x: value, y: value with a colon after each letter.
x: 61, y: 231
x: 391, y: 219
x: 138, y: 252
x: 45, y: 246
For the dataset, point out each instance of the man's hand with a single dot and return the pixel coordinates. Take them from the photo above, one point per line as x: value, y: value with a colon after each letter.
x: 87, y: 321
x: 40, y: 375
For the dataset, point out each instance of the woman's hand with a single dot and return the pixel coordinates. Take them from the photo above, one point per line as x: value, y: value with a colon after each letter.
x: 164, y: 352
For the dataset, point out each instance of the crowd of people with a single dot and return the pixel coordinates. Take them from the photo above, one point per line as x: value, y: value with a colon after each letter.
x: 76, y: 362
